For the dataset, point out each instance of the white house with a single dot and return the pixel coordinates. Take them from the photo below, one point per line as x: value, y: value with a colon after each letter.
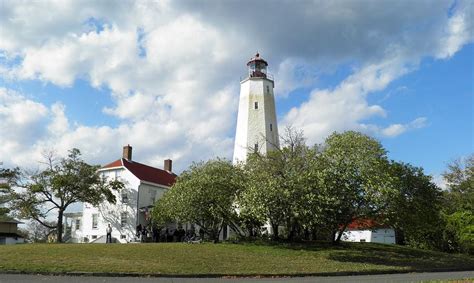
x: 143, y: 186
x: 368, y: 231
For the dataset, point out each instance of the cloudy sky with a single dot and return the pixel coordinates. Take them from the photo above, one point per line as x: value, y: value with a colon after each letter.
x: 163, y: 76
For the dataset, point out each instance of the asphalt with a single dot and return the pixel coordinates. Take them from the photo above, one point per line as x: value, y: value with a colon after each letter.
x: 463, y: 276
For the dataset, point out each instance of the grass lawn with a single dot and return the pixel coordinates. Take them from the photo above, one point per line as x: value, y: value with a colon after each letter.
x: 225, y: 259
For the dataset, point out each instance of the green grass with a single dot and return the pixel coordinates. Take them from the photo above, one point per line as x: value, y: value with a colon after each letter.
x: 225, y: 259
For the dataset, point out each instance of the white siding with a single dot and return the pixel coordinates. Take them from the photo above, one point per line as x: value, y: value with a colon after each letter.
x: 11, y: 240
x: 110, y: 213
x: 139, y: 194
x: 384, y: 236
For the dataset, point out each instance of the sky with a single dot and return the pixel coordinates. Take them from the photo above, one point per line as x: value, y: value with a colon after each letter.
x: 163, y: 76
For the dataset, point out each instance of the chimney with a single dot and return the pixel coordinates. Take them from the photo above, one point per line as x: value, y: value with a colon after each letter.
x: 168, y: 165
x: 127, y: 152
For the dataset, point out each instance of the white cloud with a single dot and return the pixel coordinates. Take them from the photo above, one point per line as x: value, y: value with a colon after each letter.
x: 346, y: 107
x: 59, y: 124
x: 172, y: 68
x: 458, y: 31
x: 397, y: 129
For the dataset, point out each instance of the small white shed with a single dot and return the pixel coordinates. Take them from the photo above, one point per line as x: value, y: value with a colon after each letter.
x: 368, y: 231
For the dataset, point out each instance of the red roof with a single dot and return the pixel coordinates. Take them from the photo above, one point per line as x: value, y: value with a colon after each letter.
x: 363, y: 224
x: 144, y: 172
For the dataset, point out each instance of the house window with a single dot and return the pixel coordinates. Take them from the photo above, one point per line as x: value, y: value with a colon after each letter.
x: 256, y: 148
x: 95, y: 220
x: 271, y: 127
x: 123, y: 236
x: 256, y: 105
x: 124, y: 196
x: 94, y: 236
x: 78, y: 224
x: 123, y: 219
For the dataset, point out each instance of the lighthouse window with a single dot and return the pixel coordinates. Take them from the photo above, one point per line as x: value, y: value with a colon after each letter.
x: 256, y: 147
x: 256, y: 105
x: 268, y: 89
x: 271, y: 128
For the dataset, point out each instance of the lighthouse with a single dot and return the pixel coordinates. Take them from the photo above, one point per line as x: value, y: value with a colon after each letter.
x: 257, y: 129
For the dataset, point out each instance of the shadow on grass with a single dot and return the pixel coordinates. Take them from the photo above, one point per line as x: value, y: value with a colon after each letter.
x: 380, y: 254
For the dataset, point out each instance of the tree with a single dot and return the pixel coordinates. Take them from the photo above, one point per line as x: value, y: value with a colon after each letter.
x: 204, y: 194
x: 37, y: 232
x: 6, y: 178
x: 414, y: 208
x: 458, y: 213
x: 277, y: 190
x: 459, y: 179
x: 458, y: 233
x: 355, y: 180
x: 61, y: 184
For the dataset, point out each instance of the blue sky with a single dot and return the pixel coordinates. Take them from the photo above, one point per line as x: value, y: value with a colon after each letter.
x: 164, y: 76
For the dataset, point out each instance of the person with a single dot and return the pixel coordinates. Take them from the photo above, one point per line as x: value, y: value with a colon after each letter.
x: 139, y: 231
x: 109, y: 234
x: 144, y: 234
x: 181, y: 234
x: 155, y: 233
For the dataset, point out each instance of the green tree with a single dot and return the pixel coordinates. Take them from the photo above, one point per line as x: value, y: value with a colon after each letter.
x: 459, y: 179
x: 458, y: 233
x: 205, y: 194
x: 277, y: 190
x: 458, y: 213
x: 414, y: 208
x: 355, y: 180
x: 7, y: 176
x: 61, y: 184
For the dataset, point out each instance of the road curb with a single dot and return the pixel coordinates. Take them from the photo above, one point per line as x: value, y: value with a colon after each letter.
x: 276, y: 275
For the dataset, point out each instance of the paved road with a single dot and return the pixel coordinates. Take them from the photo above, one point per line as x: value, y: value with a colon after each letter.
x: 408, y: 277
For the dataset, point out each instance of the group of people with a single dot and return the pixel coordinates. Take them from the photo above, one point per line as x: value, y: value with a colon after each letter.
x: 153, y: 234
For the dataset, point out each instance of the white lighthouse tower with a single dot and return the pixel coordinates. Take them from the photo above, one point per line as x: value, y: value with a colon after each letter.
x: 257, y: 129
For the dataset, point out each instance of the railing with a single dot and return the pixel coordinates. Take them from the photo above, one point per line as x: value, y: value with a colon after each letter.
x: 268, y: 76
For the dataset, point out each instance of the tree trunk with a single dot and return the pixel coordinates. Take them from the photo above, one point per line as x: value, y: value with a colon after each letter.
x: 59, y: 230
x: 399, y: 237
x: 275, y: 231
x: 340, y: 233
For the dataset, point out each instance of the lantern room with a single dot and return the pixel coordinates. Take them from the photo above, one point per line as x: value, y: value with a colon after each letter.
x: 257, y: 67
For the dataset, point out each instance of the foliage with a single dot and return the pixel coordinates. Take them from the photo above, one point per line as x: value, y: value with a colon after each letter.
x: 309, y: 191
x: 38, y: 233
x: 277, y: 190
x: 356, y: 182
x: 304, y: 192
x: 458, y: 214
x: 205, y: 195
x: 459, y: 179
x: 458, y: 234
x: 61, y: 184
x: 413, y: 211
x: 6, y: 179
